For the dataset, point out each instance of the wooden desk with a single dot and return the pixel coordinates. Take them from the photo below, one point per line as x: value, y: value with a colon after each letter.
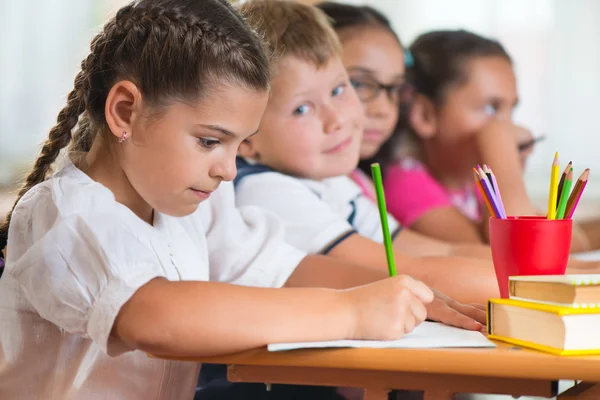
x: 437, y: 372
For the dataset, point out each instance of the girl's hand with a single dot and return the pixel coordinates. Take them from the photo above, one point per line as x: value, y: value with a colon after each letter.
x: 451, y: 312
x: 388, y: 309
x: 525, y: 143
x: 498, y: 132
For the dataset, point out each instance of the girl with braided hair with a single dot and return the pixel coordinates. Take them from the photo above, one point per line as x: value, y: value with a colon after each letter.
x: 134, y: 245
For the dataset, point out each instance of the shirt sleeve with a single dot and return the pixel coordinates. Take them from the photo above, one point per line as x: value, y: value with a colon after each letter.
x: 247, y: 245
x: 79, y: 271
x: 367, y: 220
x: 310, y: 223
x: 412, y: 192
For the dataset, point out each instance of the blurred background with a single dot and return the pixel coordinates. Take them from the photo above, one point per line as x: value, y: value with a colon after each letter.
x: 554, y: 44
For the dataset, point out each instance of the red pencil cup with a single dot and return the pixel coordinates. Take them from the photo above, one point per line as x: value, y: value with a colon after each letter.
x: 529, y: 246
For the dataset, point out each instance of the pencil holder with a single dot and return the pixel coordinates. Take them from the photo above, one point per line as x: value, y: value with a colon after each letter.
x: 529, y: 246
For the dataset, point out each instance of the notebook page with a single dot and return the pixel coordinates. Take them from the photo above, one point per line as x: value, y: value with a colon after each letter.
x: 426, y: 335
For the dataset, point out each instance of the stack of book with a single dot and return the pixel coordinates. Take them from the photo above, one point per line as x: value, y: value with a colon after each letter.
x: 558, y: 314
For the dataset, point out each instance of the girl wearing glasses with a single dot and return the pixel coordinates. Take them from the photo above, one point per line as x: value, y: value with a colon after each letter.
x: 428, y: 134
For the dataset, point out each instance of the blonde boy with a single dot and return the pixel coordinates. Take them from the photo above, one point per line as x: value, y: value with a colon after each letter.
x: 308, y: 143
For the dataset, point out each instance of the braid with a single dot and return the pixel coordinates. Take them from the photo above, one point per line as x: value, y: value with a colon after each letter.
x: 83, y: 137
x: 171, y: 50
x: 58, y: 138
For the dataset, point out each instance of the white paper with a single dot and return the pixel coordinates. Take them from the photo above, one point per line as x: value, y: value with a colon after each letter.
x: 426, y: 335
x: 589, y: 256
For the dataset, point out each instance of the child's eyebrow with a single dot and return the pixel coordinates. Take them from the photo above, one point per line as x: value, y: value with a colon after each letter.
x: 499, y: 101
x: 222, y: 130
x: 371, y: 72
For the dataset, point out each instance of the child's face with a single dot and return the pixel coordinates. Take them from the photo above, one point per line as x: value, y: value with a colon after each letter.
x: 373, y: 57
x: 490, y: 92
x: 176, y: 161
x: 449, y: 130
x: 312, y: 125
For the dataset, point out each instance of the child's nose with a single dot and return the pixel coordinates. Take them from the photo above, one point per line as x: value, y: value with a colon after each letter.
x: 226, y: 170
x: 332, y: 119
x: 382, y: 105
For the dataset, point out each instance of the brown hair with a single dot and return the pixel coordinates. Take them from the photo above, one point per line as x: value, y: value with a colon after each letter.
x: 292, y: 29
x: 440, y: 62
x: 173, y: 50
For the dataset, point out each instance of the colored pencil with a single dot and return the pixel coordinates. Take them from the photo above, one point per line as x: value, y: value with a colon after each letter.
x: 566, y: 190
x: 487, y: 172
x: 489, y: 192
x: 387, y: 238
x: 526, y: 145
x: 576, y: 189
x: 553, y: 195
x: 485, y: 199
x: 562, y: 182
x: 498, y: 195
x: 576, y: 194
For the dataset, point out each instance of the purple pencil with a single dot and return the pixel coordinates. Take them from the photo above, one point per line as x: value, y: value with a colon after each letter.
x: 497, y: 190
x: 489, y: 192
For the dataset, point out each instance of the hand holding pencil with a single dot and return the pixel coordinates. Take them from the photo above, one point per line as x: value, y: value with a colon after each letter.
x: 439, y: 308
x: 388, y: 309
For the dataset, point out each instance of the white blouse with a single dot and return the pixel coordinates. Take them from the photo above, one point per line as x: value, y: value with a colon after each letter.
x: 75, y: 256
x: 318, y: 215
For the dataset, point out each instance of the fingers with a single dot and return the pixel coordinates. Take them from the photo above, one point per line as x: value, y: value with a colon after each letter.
x: 409, y: 323
x: 450, y: 316
x: 417, y: 308
x: 476, y: 313
x: 418, y: 288
x: 482, y: 307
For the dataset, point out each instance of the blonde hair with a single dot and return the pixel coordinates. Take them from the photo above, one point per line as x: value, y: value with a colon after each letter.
x: 294, y: 29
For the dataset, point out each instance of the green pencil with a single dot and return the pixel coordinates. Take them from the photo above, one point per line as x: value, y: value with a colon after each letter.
x: 387, y: 238
x: 564, y: 196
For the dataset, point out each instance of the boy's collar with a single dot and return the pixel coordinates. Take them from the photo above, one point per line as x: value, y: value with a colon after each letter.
x: 246, y: 167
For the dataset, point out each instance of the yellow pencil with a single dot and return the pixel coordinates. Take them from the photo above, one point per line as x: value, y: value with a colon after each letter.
x: 552, y: 198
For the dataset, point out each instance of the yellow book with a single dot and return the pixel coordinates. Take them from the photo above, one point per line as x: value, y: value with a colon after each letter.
x: 579, y: 291
x: 550, y: 328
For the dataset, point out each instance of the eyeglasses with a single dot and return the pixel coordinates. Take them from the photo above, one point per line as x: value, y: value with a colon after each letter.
x: 368, y: 90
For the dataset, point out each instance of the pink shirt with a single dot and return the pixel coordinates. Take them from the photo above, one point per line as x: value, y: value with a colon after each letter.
x: 365, y: 183
x: 411, y: 191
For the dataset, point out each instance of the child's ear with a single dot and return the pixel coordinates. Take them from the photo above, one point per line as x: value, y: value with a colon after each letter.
x: 122, y: 108
x: 248, y: 149
x: 422, y: 117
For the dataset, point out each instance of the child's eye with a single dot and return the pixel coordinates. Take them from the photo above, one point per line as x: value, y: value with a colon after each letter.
x: 356, y: 84
x: 338, y: 90
x: 208, y: 143
x: 302, y: 110
x: 490, y: 109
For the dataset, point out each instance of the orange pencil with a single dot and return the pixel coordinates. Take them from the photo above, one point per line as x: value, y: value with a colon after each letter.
x: 576, y: 194
x: 485, y: 199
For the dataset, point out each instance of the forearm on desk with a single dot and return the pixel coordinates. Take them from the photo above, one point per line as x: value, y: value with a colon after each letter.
x: 208, y: 318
